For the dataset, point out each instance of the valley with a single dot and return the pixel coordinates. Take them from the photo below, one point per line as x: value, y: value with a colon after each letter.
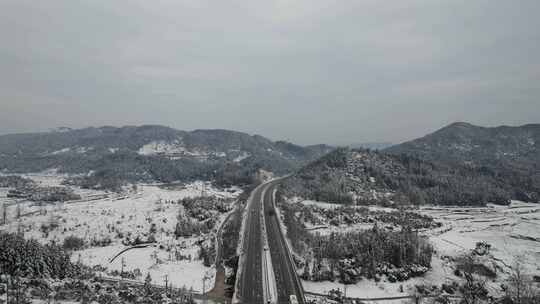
x: 510, y: 231
x: 139, y: 213
x: 145, y: 217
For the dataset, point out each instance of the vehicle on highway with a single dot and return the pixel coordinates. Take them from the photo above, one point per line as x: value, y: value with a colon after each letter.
x: 293, y: 300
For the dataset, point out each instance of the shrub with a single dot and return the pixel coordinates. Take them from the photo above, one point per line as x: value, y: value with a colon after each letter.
x: 101, y: 243
x: 73, y: 243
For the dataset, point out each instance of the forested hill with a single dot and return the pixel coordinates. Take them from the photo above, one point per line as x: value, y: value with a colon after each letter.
x: 465, y: 143
x: 152, y: 153
x: 509, y: 154
x: 458, y: 164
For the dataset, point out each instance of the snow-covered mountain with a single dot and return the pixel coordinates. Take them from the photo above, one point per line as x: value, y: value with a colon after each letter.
x: 466, y: 143
x: 151, y: 152
x: 459, y: 164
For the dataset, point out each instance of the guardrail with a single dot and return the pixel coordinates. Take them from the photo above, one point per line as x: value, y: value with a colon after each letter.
x: 289, y: 250
x: 241, y: 250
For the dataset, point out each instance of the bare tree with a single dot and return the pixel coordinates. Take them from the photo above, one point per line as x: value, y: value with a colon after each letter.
x: 520, y: 288
x: 4, y: 214
x: 18, y: 210
x: 474, y: 288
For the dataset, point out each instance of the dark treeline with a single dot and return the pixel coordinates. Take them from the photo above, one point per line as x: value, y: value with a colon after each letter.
x: 15, y: 181
x: 113, y: 171
x: 351, y: 256
x: 28, y: 258
x: 109, y: 157
x: 363, y: 176
x: 507, y: 154
x: 187, y: 227
x: 375, y: 247
x: 395, y: 247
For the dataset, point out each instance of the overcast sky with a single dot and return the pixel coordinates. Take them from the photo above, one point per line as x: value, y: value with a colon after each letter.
x: 308, y: 71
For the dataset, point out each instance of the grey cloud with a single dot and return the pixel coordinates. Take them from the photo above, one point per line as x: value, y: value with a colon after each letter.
x: 308, y: 71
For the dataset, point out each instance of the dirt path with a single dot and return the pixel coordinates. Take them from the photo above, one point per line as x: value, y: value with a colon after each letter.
x: 220, y: 288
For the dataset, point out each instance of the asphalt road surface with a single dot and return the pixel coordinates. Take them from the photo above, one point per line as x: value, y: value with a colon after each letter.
x: 251, y: 289
x: 285, y: 271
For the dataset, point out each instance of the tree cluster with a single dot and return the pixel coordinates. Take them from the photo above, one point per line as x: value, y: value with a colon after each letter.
x: 28, y: 258
x: 373, y: 251
x: 15, y: 181
x: 364, y: 177
x: 187, y: 227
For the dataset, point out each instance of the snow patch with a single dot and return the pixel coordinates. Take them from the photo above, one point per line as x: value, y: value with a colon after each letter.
x: 241, y: 157
x: 176, y: 150
x: 61, y: 151
x: 510, y: 230
x: 79, y: 150
x: 162, y: 147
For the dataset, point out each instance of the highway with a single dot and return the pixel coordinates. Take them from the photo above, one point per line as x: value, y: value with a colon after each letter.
x: 250, y: 287
x: 287, y: 280
x: 250, y: 284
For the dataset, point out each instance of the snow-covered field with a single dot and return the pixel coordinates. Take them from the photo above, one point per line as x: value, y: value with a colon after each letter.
x: 512, y: 231
x: 326, y: 229
x: 186, y: 273
x: 441, y: 272
x: 324, y: 205
x: 121, y: 217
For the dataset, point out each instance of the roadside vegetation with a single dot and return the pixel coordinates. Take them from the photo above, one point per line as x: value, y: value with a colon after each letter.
x: 30, y: 271
x: 349, y: 257
x: 28, y: 258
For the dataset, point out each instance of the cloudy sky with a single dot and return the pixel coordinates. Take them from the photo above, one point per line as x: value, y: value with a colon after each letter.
x: 308, y: 71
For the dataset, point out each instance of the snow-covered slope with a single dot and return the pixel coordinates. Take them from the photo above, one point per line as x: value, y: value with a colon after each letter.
x: 151, y: 152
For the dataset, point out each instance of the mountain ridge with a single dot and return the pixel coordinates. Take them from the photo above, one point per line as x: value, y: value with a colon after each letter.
x: 152, y: 152
x: 452, y: 135
x: 458, y: 164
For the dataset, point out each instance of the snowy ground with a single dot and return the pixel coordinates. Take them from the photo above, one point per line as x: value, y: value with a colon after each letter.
x: 324, y: 205
x: 440, y: 273
x: 120, y: 216
x: 513, y: 232
x: 186, y: 273
x: 324, y: 227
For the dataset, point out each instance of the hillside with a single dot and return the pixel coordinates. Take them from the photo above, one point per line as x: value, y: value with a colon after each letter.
x: 466, y: 143
x: 363, y: 177
x: 506, y: 153
x: 151, y: 153
x: 370, y: 145
x: 457, y: 165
